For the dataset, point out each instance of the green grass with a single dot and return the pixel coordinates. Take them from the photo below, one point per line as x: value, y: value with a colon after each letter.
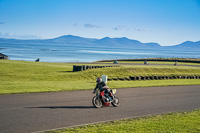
x: 25, y: 77
x: 150, y: 83
x: 181, y: 122
x: 14, y: 87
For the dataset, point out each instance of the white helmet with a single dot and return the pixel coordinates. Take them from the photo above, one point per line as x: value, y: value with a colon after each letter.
x: 99, y: 80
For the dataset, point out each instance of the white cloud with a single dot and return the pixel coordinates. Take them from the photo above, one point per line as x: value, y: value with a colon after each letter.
x: 120, y: 27
x: 15, y: 36
x: 2, y: 22
x: 91, y: 26
x: 141, y: 29
x: 75, y: 24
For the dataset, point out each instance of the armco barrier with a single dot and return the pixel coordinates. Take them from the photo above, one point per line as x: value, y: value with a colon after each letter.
x: 189, y: 60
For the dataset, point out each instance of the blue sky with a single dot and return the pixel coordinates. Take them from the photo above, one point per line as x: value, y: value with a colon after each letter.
x: 167, y: 22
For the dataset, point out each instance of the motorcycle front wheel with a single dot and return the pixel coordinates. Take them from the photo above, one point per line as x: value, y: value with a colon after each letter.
x: 115, y: 102
x: 96, y: 102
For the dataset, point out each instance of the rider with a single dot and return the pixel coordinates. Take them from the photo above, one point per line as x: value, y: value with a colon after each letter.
x: 101, y: 85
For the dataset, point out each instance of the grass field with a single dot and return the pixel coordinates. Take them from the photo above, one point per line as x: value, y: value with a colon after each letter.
x: 26, y: 77
x: 181, y: 122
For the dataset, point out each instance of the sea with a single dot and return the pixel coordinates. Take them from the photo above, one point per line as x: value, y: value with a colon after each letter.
x: 67, y: 53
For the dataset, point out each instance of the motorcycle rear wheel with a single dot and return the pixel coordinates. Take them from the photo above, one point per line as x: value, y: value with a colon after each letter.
x: 115, y: 102
x: 96, y: 102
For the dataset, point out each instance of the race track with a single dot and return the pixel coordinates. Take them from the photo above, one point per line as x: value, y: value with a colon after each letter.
x: 23, y: 113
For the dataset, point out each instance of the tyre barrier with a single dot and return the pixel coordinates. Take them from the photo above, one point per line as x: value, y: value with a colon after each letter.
x: 133, y: 78
x: 84, y: 67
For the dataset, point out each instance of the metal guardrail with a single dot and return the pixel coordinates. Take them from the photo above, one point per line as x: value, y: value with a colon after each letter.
x: 189, y: 60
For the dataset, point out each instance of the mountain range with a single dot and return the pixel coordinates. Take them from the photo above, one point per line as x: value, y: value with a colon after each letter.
x: 106, y: 42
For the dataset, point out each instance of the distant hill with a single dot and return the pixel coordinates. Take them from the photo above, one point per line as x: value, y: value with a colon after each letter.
x: 124, y: 42
x: 106, y: 42
x: 189, y: 44
x: 69, y: 39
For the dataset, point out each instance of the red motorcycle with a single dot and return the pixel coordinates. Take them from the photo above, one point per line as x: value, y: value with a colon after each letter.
x: 102, y: 99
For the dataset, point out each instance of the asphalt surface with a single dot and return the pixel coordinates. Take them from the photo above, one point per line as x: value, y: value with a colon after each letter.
x: 24, y: 113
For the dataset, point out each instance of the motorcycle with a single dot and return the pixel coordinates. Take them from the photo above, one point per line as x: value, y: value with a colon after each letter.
x: 102, y: 99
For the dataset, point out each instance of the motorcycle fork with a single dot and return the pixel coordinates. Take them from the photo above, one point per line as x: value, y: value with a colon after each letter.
x: 112, y: 95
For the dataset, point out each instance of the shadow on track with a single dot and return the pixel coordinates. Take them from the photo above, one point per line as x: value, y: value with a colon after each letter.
x: 64, y: 107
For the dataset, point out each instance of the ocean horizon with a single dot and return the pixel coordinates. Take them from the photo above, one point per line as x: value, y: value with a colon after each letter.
x: 64, y: 53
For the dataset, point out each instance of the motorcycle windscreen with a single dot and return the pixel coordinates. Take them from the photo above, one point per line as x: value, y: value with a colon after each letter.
x: 114, y: 91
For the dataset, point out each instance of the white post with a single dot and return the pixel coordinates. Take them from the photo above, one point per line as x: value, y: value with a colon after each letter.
x: 104, y: 78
